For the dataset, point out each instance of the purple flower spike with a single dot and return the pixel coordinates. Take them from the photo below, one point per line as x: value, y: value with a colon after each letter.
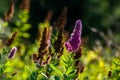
x: 12, y: 53
x: 73, y: 43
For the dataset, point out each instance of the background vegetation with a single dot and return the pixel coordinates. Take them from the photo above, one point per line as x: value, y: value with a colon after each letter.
x: 27, y: 20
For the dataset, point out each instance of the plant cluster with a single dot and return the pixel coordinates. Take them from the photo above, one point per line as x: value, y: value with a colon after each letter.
x: 53, y: 54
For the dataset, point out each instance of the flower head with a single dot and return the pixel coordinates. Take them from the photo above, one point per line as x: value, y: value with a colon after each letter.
x: 73, y: 43
x: 12, y: 53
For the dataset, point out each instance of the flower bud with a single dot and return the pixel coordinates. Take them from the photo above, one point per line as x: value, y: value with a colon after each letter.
x: 12, y: 53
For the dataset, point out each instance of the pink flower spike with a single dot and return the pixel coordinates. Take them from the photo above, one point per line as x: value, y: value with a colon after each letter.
x: 12, y: 53
x: 75, y: 39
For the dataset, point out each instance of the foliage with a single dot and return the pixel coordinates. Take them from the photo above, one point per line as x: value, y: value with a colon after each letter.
x: 37, y: 46
x: 115, y: 70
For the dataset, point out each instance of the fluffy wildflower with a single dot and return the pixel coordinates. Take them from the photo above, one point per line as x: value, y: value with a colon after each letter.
x: 74, y: 42
x: 62, y: 19
x: 45, y: 42
x: 9, y: 14
x: 10, y: 41
x: 58, y: 43
x: 44, y: 47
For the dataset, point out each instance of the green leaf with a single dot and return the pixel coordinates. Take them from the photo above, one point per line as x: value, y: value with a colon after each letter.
x: 56, y: 69
x: 25, y: 35
x: 57, y: 78
x: 70, y: 70
x: 44, y: 75
x: 25, y: 27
